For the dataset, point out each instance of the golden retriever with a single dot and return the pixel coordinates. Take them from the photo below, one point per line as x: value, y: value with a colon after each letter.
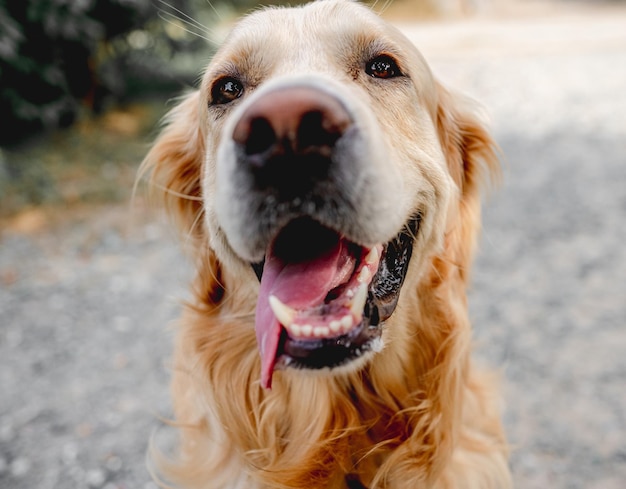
x: 330, y: 188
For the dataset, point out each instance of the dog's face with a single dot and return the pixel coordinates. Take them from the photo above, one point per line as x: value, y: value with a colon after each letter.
x: 323, y: 172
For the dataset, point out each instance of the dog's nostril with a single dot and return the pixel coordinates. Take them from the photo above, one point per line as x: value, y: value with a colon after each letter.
x: 261, y: 137
x: 313, y: 133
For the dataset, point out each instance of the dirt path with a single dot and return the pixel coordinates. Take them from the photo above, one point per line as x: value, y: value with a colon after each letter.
x: 84, y: 303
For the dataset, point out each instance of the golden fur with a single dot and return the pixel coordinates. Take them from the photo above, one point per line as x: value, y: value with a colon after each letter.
x: 416, y: 415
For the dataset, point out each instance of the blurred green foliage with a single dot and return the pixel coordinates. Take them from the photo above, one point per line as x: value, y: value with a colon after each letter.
x: 94, y: 161
x: 58, y: 57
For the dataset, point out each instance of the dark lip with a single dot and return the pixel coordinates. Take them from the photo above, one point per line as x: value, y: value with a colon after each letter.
x: 383, y: 294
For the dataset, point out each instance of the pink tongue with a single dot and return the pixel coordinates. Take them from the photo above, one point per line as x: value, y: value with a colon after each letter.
x: 300, y: 285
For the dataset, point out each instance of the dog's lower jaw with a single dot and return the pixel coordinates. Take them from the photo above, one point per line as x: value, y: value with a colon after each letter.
x: 341, y: 373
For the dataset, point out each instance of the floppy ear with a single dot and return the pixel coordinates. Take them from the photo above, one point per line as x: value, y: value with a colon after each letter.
x: 175, y: 164
x: 471, y: 155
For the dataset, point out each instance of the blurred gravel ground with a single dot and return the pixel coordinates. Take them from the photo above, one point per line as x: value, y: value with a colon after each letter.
x: 85, y: 301
x: 83, y: 349
x: 549, y: 295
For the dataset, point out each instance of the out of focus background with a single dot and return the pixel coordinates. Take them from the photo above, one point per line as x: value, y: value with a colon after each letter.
x: 90, y: 278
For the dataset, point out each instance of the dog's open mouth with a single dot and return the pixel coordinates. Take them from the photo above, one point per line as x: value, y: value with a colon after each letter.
x: 323, y: 299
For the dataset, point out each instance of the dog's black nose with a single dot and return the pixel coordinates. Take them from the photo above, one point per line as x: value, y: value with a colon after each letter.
x: 286, y: 139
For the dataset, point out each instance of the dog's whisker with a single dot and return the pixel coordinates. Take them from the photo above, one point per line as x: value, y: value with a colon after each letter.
x: 214, y: 9
x: 372, y: 5
x: 164, y: 17
x: 194, y: 28
x: 189, y: 19
x: 385, y: 6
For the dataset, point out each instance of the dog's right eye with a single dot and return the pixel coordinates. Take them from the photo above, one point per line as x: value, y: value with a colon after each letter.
x: 383, y: 66
x: 225, y: 90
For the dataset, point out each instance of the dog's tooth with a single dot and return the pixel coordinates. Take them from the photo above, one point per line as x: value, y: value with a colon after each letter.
x: 321, y: 331
x: 295, y: 329
x: 358, y: 303
x: 283, y: 312
x: 372, y: 256
x: 346, y: 322
x: 335, y: 326
x: 307, y: 330
x: 364, y: 275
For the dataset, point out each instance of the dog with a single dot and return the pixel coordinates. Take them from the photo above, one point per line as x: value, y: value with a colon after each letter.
x: 330, y: 189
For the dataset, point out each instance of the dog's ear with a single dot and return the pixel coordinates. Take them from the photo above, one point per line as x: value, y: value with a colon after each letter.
x: 470, y: 150
x: 472, y: 158
x: 174, y: 164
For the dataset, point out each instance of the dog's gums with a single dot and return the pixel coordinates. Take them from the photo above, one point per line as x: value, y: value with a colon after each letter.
x: 324, y: 304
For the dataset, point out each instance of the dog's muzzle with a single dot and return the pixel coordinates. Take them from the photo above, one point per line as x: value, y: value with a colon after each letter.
x: 324, y: 290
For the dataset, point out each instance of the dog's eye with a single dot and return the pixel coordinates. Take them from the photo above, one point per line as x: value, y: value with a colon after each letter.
x: 382, y: 66
x: 226, y: 90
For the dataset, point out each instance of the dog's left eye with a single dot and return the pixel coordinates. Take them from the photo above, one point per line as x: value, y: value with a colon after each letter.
x: 226, y: 90
x: 383, y: 66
